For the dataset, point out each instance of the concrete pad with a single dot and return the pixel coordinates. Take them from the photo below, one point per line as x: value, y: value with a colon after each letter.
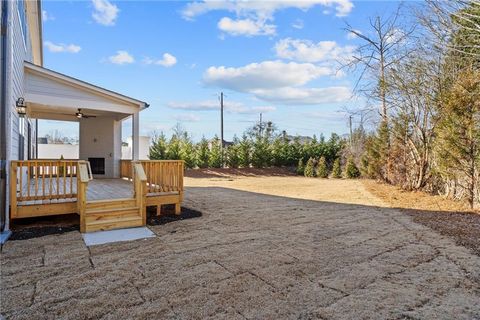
x: 102, y: 237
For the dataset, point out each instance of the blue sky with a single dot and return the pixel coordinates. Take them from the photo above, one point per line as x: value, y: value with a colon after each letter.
x: 274, y: 57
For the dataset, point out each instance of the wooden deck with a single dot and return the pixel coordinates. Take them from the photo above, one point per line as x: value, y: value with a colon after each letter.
x: 50, y: 187
x: 98, y: 189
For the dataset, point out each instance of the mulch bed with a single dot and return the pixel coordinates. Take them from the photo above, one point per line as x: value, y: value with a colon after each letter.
x: 168, y: 215
x: 242, y: 172
x: 36, y: 232
x: 463, y: 227
x: 31, y: 228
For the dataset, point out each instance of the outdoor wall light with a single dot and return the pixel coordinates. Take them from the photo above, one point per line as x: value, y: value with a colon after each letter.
x: 21, y: 107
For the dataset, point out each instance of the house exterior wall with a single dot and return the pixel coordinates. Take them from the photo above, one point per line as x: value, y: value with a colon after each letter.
x: 18, y: 50
x: 101, y: 138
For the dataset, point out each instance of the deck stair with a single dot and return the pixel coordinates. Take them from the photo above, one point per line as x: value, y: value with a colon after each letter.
x: 104, y: 215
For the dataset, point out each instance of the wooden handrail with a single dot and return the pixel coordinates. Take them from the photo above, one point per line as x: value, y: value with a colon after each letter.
x: 82, y: 185
x: 162, y: 175
x: 140, y: 184
x: 32, y: 180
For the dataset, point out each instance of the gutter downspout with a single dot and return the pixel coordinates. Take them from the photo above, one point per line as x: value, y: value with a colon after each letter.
x: 4, y: 232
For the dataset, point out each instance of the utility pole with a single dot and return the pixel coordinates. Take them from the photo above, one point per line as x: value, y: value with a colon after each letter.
x: 260, y: 126
x: 221, y: 127
x: 351, y: 133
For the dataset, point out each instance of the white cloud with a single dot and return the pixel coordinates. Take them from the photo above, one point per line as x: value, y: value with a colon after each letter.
x: 396, y: 36
x: 298, y: 24
x: 278, y: 82
x: 263, y: 8
x: 122, y: 57
x: 264, y: 75
x: 105, y: 13
x: 308, y: 51
x: 246, y: 27
x: 230, y: 106
x: 305, y: 96
x: 167, y: 60
x: 187, y: 117
x: 196, y: 106
x: 46, y: 16
x: 255, y: 17
x: 60, y: 47
x: 353, y: 35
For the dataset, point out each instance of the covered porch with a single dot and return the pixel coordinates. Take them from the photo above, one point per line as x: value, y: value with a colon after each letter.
x: 106, y: 191
x: 99, y: 112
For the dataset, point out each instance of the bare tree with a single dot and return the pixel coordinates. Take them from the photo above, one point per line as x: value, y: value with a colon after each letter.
x: 384, y: 46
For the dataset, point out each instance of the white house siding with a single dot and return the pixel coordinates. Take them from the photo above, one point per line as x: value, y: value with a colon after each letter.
x: 56, y: 92
x: 18, y: 51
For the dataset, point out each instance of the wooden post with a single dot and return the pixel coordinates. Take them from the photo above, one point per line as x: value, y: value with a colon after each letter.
x: 180, y: 172
x: 82, y: 182
x: 140, y: 183
x: 13, y: 190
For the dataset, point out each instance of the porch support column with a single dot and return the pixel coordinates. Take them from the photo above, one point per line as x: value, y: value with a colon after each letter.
x: 135, y: 136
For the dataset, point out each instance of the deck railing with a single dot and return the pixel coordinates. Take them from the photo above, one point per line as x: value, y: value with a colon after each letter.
x: 82, y: 184
x: 32, y: 180
x: 162, y: 175
x: 140, y: 187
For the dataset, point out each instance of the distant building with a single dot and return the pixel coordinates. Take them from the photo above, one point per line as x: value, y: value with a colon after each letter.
x: 71, y: 150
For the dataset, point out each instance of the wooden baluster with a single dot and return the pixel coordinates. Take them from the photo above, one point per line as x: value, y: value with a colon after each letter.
x: 155, y: 176
x: 65, y: 168
x: 28, y: 180
x: 72, y: 169
x: 50, y: 184
x: 151, y: 176
x: 43, y: 180
x: 21, y: 178
x: 58, y: 178
x: 36, y: 178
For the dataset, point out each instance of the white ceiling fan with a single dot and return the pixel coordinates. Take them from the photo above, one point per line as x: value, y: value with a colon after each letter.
x: 81, y: 115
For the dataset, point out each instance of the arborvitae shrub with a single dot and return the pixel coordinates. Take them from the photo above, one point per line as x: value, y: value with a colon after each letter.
x: 310, y: 168
x: 233, y: 156
x: 300, y: 167
x: 158, y: 149
x: 203, y: 153
x: 215, y: 160
x: 351, y: 170
x: 322, y: 170
x: 337, y: 169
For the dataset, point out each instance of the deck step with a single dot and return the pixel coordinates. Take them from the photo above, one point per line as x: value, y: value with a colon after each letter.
x: 114, y: 223
x: 110, y: 204
x: 108, y: 214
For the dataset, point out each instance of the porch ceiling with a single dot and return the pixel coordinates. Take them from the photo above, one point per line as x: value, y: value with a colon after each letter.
x: 52, y: 95
x: 63, y: 113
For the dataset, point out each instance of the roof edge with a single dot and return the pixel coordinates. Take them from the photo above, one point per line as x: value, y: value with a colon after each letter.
x: 142, y: 104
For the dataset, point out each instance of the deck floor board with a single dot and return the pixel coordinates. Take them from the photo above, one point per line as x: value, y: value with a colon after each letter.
x: 98, y: 189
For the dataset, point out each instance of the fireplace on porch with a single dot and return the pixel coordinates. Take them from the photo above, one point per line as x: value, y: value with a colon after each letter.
x: 97, y: 165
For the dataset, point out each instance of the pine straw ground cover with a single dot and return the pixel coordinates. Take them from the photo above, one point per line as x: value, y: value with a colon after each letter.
x: 448, y: 217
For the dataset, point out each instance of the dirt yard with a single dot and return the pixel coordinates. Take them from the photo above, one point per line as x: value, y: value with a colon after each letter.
x: 266, y: 247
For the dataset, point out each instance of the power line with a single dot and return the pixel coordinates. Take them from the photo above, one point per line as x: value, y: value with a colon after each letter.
x: 221, y: 126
